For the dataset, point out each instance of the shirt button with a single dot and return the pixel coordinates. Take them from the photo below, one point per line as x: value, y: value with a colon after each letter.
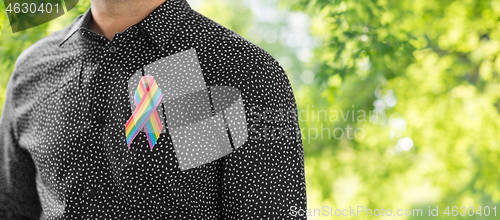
x: 100, y: 119
x: 112, y: 49
x: 91, y: 191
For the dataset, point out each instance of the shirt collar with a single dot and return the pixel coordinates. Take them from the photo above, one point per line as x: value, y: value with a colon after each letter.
x: 161, y: 24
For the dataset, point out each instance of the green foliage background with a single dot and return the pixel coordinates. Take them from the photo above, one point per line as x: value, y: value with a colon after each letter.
x: 430, y: 70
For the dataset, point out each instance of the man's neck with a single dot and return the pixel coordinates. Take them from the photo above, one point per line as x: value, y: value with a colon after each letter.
x: 112, y: 16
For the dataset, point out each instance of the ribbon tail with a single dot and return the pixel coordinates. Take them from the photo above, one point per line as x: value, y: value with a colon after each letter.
x: 153, y: 127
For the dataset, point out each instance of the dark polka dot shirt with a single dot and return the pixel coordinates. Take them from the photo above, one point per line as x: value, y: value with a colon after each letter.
x: 175, y: 118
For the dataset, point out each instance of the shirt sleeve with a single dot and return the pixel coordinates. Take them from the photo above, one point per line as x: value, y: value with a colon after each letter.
x: 264, y: 178
x: 18, y: 194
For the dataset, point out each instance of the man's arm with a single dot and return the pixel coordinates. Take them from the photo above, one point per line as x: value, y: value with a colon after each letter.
x: 264, y: 178
x: 18, y: 193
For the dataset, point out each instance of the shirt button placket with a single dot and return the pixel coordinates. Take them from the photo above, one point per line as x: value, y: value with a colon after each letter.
x: 98, y: 118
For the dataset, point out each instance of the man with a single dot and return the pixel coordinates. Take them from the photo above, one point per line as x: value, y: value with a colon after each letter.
x: 149, y: 110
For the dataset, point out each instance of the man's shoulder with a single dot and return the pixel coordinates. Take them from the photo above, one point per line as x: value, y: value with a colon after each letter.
x: 233, y: 44
x: 242, y: 64
x: 43, y: 50
x: 37, y: 71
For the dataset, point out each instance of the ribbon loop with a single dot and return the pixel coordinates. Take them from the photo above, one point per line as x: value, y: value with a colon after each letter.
x: 147, y: 98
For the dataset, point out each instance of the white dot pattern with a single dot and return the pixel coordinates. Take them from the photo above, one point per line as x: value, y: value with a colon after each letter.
x: 63, y: 149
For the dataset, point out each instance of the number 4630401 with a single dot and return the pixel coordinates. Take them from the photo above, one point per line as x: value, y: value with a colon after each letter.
x: 32, y: 8
x: 463, y: 211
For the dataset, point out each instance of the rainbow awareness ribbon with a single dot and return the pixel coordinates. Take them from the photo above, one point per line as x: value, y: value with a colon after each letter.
x: 147, y: 98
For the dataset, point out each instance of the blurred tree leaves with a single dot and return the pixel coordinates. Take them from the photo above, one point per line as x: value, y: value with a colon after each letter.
x: 430, y: 65
x: 225, y: 12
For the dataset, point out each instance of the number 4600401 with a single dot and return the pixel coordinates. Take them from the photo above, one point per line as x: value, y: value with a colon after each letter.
x: 32, y: 8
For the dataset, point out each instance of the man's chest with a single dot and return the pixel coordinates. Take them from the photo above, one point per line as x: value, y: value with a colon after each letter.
x: 79, y: 130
